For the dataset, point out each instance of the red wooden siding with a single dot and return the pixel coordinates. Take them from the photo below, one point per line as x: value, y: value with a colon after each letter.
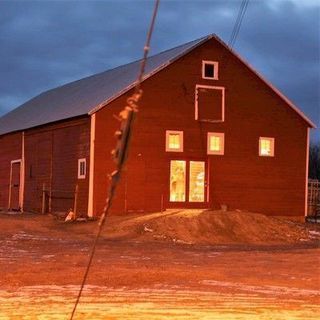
x: 10, y: 149
x: 51, y: 159
x: 239, y: 178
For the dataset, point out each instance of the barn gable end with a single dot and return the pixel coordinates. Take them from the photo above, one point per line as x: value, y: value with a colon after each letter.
x: 240, y: 178
x: 70, y: 128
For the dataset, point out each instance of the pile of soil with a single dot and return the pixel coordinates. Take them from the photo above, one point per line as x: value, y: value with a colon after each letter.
x: 201, y: 227
x: 209, y: 227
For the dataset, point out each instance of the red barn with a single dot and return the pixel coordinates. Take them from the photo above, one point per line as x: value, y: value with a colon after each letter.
x: 210, y: 132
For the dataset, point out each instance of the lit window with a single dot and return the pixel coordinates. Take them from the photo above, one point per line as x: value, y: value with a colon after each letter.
x: 215, y: 143
x: 196, y: 181
x: 82, y: 169
x: 266, y: 147
x: 174, y: 141
x: 177, y: 181
x: 210, y: 70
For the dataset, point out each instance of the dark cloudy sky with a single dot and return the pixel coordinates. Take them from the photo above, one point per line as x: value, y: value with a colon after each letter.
x: 48, y: 43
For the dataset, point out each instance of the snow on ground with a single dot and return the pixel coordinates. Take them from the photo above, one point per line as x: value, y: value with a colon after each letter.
x: 56, y: 302
x: 232, y: 270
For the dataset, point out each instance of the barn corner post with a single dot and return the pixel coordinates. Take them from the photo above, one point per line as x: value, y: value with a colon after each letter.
x: 22, y: 173
x: 91, y: 164
x: 307, y: 173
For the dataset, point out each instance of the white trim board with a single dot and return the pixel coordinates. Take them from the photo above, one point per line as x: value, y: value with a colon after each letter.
x: 215, y: 65
x: 307, y: 173
x: 91, y: 164
x: 22, y: 174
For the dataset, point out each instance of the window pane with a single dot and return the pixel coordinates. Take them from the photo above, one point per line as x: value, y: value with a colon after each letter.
x: 208, y: 70
x: 177, y: 181
x: 196, y: 182
x: 174, y: 141
x: 215, y: 143
x: 265, y: 147
x: 82, y: 170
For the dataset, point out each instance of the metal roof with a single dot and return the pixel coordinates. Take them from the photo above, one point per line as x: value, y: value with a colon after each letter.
x: 86, y: 95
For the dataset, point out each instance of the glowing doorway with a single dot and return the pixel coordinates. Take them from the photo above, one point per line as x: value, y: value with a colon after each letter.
x: 187, y: 181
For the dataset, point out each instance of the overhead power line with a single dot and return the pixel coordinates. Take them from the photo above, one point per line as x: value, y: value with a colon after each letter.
x: 237, y: 26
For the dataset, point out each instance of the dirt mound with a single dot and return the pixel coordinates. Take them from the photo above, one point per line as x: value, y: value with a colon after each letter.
x: 209, y: 227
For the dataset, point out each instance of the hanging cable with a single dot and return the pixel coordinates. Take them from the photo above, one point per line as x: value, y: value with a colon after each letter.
x: 126, y: 117
x: 237, y: 26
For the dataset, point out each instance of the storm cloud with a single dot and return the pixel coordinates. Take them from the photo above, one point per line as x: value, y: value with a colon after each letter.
x: 45, y: 44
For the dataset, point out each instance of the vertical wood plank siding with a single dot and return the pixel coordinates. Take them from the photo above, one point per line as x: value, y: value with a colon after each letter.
x: 51, y: 159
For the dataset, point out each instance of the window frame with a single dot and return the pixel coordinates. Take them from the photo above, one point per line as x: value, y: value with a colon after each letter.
x: 176, y: 132
x: 215, y: 65
x: 215, y: 134
x: 222, y: 89
x: 80, y: 161
x: 272, y: 140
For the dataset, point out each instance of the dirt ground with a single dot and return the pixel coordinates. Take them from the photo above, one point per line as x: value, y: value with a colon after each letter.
x: 155, y: 268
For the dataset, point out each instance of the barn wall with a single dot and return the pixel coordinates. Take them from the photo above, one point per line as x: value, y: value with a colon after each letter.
x: 240, y: 178
x: 51, y: 160
x: 10, y: 149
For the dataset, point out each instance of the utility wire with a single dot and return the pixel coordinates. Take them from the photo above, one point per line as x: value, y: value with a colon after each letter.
x: 237, y: 26
x: 120, y: 153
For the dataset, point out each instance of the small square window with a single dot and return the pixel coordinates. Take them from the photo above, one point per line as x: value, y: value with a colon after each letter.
x: 174, y: 141
x: 266, y: 147
x: 215, y: 143
x: 82, y: 169
x: 210, y: 70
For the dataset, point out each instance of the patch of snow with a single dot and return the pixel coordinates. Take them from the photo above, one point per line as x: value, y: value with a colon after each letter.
x: 146, y: 229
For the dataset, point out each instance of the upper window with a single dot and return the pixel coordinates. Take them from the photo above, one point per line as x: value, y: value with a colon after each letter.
x: 215, y: 143
x: 266, y: 147
x: 174, y: 141
x: 82, y: 169
x: 210, y: 70
x: 209, y: 103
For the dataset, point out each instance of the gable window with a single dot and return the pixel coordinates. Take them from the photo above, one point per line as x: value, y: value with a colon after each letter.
x: 209, y: 103
x: 266, y: 147
x: 215, y: 143
x: 82, y: 168
x: 210, y: 70
x: 174, y: 141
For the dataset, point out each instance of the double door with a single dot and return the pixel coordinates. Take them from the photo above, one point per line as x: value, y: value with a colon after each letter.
x: 188, y: 183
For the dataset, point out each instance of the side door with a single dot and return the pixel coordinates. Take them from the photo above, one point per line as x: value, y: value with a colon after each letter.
x: 14, y: 192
